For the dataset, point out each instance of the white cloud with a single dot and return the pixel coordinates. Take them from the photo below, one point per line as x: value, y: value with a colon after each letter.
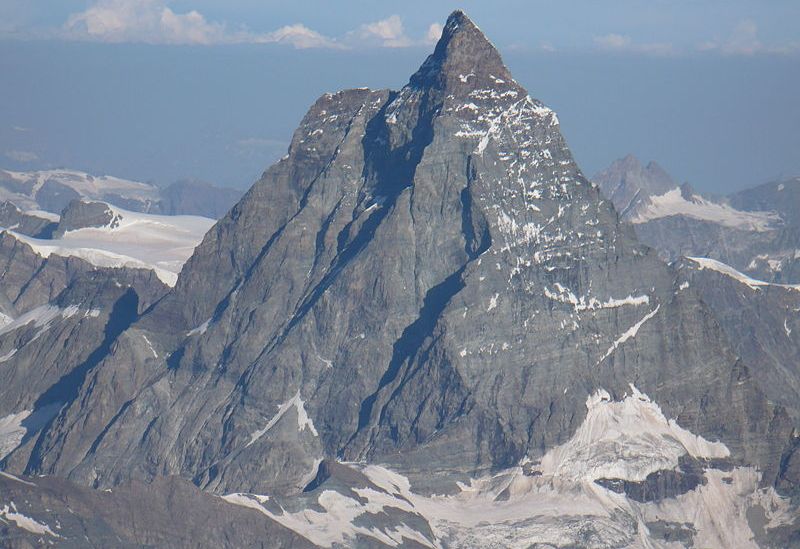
x: 153, y: 22
x: 389, y: 32
x: 612, y: 41
x: 22, y: 156
x: 622, y: 43
x: 299, y: 36
x: 744, y: 40
x: 190, y: 27
x: 434, y: 33
x: 148, y: 21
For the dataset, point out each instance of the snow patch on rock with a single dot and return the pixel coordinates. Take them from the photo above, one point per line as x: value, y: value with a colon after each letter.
x: 303, y: 420
x: 727, y: 270
x: 629, y: 333
x: 25, y: 522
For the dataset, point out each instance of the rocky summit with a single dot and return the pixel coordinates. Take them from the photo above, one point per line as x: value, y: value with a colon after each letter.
x: 423, y: 327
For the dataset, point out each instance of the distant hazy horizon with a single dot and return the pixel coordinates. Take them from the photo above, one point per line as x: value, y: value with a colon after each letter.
x: 224, y: 112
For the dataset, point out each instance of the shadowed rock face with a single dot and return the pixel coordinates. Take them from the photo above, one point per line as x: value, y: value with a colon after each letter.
x: 427, y: 281
x: 762, y: 323
x: 665, y: 483
x: 30, y: 280
x: 60, y: 316
x: 12, y: 217
x: 54, y: 196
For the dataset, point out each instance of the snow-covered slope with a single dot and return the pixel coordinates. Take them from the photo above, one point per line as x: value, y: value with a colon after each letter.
x: 696, y: 207
x: 158, y: 242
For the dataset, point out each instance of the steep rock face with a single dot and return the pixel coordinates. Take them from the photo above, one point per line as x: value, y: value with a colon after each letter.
x: 54, y: 196
x: 761, y: 321
x: 59, y: 318
x: 779, y: 260
x: 425, y: 280
x: 782, y: 196
x: 48, y: 351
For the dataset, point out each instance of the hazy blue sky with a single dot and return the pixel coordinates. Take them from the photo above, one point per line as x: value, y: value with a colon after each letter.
x: 160, y: 90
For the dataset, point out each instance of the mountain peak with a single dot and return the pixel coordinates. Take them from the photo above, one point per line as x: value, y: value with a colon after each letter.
x: 462, y: 52
x: 458, y: 21
x: 631, y: 161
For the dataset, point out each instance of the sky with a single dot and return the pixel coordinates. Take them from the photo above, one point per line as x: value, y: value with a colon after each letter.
x: 160, y: 90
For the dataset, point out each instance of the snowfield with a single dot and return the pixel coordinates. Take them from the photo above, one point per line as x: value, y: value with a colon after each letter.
x: 161, y: 243
x: 673, y: 203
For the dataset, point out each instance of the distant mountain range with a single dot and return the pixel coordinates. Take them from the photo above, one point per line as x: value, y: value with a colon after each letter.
x: 53, y: 190
x: 756, y: 231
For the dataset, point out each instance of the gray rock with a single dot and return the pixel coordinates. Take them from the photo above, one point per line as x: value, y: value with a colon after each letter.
x: 762, y: 323
x: 80, y: 214
x: 167, y: 513
x: 54, y: 196
x: 12, y: 218
x: 663, y: 484
x: 782, y: 196
x: 30, y: 280
x: 61, y: 315
x: 672, y: 532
